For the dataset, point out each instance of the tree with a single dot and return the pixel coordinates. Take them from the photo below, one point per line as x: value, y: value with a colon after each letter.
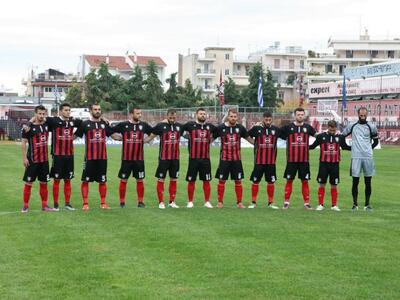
x: 134, y: 88
x: 172, y: 93
x: 231, y: 93
x: 153, y: 90
x: 74, y: 96
x: 92, y: 91
x: 250, y: 93
x: 270, y: 92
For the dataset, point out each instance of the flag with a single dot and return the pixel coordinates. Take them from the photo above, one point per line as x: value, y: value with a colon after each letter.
x: 260, y: 96
x: 344, y: 93
x: 221, y: 94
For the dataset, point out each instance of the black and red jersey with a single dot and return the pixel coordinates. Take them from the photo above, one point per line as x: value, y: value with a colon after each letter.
x: 265, y: 140
x: 200, y: 136
x: 38, y: 137
x: 132, y: 138
x: 95, y: 133
x: 170, y: 135
x: 62, y: 135
x: 330, y: 146
x: 230, y: 141
x: 297, y: 139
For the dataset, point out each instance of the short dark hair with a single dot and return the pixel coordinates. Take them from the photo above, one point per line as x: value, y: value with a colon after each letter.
x: 39, y: 107
x: 94, y: 104
x: 133, y: 109
x: 200, y: 109
x: 299, y: 109
x: 267, y: 114
x: 232, y: 110
x: 332, y: 123
x: 171, y: 111
x: 362, y: 108
x: 64, y: 104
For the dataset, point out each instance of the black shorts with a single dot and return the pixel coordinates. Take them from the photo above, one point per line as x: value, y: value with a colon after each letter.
x: 37, y: 170
x: 134, y: 167
x: 62, y: 167
x: 95, y: 170
x: 200, y: 166
x: 328, y: 169
x: 170, y: 165
x: 303, y: 170
x: 269, y: 171
x: 234, y: 168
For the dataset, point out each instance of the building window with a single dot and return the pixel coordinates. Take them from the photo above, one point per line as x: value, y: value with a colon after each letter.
x: 328, y: 69
x: 281, y: 95
x: 205, y: 68
x: 374, y: 53
x: 349, y: 53
x: 277, y: 63
x: 341, y: 69
x: 291, y: 64
x: 238, y: 67
x: 301, y: 64
x: 391, y: 54
x: 226, y: 71
x: 206, y: 86
x: 227, y: 56
x: 247, y: 68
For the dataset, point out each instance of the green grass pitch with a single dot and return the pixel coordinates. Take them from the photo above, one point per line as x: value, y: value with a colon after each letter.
x: 147, y: 253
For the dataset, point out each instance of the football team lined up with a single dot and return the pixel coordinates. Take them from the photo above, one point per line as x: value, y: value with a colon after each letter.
x: 134, y: 133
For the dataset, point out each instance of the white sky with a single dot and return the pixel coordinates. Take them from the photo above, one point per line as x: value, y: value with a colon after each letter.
x: 53, y: 34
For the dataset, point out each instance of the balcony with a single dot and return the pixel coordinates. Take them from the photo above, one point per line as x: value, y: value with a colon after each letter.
x: 208, y: 89
x: 205, y: 73
x: 206, y: 59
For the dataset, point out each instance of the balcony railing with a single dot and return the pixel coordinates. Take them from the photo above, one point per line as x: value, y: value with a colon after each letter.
x: 206, y: 71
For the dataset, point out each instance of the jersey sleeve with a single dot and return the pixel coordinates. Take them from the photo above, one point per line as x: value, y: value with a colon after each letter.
x: 77, y: 122
x: 109, y: 129
x: 347, y: 130
x: 312, y: 130
x: 374, y: 132
x: 283, y: 132
x: 147, y: 129
x: 243, y: 132
x: 51, y: 122
x: 217, y: 132
x: 79, y: 132
x: 252, y: 131
x: 24, y: 134
x: 343, y: 144
x: 157, y: 129
x: 118, y: 128
x: 316, y: 142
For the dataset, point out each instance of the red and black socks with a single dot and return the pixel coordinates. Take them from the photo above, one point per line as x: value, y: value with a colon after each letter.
x: 305, y: 190
x: 67, y: 191
x: 288, y: 190
x: 238, y: 191
x: 221, y: 190
x: 122, y: 191
x: 172, y: 190
x: 43, y: 193
x: 140, y: 190
x: 56, y: 189
x: 190, y: 190
x: 254, y: 192
x: 160, y: 190
x: 27, y: 194
x: 85, y: 192
x: 103, y: 192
